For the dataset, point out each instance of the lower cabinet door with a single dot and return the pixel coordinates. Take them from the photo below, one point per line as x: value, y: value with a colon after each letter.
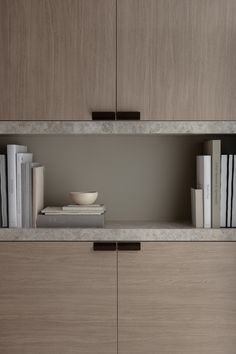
x: 57, y: 297
x: 177, y: 298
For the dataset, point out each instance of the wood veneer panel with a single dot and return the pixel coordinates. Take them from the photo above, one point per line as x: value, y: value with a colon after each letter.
x: 57, y: 59
x: 176, y: 59
x: 57, y: 297
x: 177, y: 297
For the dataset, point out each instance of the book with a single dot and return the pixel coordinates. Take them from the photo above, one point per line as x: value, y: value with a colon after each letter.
x: 27, y: 193
x: 234, y: 195
x: 223, y: 202
x: 38, y: 192
x: 197, y: 207
x: 70, y: 221
x: 12, y: 151
x: 60, y: 211
x: 26, y: 181
x: 229, y: 191
x: 213, y: 148
x: 204, y: 183
x: 3, y: 190
x: 20, y: 159
x: 92, y: 207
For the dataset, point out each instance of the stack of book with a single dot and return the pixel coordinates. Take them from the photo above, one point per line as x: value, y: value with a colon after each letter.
x: 214, y: 200
x: 87, y: 216
x: 25, y: 187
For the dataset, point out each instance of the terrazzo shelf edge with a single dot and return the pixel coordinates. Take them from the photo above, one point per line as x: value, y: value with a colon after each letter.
x: 122, y: 231
x: 116, y: 127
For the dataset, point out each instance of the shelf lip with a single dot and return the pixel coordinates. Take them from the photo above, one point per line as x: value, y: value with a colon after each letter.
x: 117, y: 128
x: 122, y: 231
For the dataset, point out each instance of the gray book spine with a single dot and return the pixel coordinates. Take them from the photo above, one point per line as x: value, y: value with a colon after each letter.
x: 213, y: 148
x: 26, y: 195
x: 70, y: 221
x: 3, y: 176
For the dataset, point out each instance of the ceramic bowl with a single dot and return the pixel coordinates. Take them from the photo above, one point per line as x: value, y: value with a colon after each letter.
x: 84, y: 198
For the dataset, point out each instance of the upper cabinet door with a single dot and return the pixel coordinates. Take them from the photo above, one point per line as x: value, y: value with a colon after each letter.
x: 176, y: 59
x: 58, y: 58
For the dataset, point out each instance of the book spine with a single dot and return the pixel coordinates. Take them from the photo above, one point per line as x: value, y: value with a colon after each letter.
x: 229, y: 191
x: 223, y: 203
x: 11, y: 163
x: 12, y: 150
x: 213, y: 148
x: 3, y: 191
x: 234, y: 195
x: 21, y: 158
x: 197, y: 207
x: 38, y: 192
x: 204, y: 183
x: 24, y: 198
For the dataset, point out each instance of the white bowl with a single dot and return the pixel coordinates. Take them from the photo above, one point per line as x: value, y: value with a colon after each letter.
x: 84, y: 198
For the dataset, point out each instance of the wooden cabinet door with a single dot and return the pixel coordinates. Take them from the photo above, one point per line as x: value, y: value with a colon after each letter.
x: 176, y: 59
x: 57, y: 297
x: 57, y: 58
x: 177, y: 298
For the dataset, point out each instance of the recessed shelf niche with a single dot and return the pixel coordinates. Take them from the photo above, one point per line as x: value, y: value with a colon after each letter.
x: 139, y: 178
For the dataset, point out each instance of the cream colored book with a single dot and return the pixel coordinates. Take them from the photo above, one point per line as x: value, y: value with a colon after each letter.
x: 197, y: 207
x: 38, y: 192
x: 59, y: 211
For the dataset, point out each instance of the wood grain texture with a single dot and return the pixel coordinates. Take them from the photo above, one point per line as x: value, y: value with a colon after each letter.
x: 177, y: 298
x: 57, y: 58
x: 57, y: 298
x: 176, y: 59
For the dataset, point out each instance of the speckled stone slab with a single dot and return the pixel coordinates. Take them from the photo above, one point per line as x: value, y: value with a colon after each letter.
x: 117, y: 127
x: 122, y: 231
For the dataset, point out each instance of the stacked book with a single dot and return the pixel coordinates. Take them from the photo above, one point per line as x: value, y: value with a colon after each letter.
x: 214, y: 199
x: 86, y: 216
x: 25, y: 187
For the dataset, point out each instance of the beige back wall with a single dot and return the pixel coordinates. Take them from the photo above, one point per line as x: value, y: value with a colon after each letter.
x: 137, y: 177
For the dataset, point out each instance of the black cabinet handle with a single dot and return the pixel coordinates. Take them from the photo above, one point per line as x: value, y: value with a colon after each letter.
x: 128, y: 115
x: 129, y: 246
x: 103, y: 116
x: 104, y: 246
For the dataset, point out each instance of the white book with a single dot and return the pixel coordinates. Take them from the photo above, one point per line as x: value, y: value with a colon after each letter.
x: 204, y: 183
x: 229, y: 191
x: 12, y: 150
x: 27, y: 195
x: 26, y: 179
x: 223, y: 197
x: 20, y: 159
x: 234, y: 195
x: 38, y: 192
x: 197, y: 207
x: 213, y: 148
x: 3, y: 177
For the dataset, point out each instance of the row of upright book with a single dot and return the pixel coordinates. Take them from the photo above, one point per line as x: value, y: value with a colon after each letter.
x: 214, y: 199
x: 22, y: 187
